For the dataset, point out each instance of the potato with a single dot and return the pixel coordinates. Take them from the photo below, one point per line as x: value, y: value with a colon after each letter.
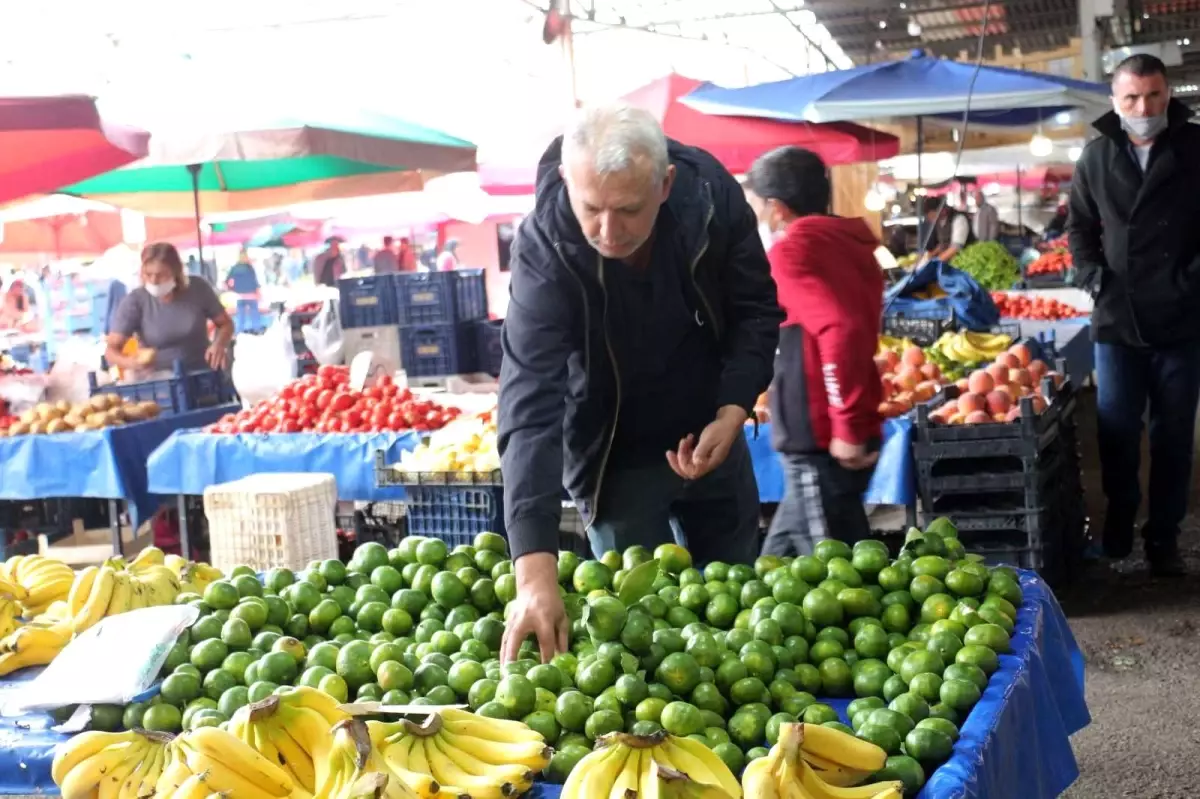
x: 150, y: 409
x: 96, y: 419
x: 98, y: 402
x: 56, y: 426
x: 132, y: 413
x: 43, y: 410
x: 37, y: 428
x: 18, y: 429
x: 63, y: 407
x: 29, y: 417
x: 73, y: 419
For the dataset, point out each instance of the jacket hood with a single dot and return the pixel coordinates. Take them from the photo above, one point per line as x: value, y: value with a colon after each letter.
x: 833, y: 235
x: 1110, y: 123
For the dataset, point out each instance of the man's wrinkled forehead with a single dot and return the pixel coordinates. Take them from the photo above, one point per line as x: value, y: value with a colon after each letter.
x: 627, y: 188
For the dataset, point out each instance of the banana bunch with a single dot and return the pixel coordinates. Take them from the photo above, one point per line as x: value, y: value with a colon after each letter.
x: 624, y: 763
x: 209, y: 760
x: 115, y: 588
x: 10, y: 612
x: 355, y: 770
x: 455, y: 753
x: 815, y: 762
x: 36, y: 581
x: 294, y: 730
x: 967, y: 347
x: 893, y: 344
x: 121, y: 765
x: 32, y: 645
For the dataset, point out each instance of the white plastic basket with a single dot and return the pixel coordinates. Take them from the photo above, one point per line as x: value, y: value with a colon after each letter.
x: 272, y: 520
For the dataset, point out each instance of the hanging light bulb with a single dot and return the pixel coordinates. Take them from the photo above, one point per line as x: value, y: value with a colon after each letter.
x: 874, y: 201
x: 1075, y: 153
x: 1041, y: 145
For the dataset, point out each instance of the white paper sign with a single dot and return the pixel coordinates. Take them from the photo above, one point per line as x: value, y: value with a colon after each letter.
x: 360, y: 371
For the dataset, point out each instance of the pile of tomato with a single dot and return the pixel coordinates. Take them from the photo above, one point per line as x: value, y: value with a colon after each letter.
x: 1019, y: 306
x: 1054, y: 262
x: 324, y: 402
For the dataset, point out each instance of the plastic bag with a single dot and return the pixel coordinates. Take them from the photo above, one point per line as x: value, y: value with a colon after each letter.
x: 262, y: 365
x: 109, y: 664
x: 323, y: 336
x: 965, y: 299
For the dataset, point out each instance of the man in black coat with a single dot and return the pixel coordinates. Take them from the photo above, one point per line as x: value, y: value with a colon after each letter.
x: 641, y: 330
x: 1134, y: 230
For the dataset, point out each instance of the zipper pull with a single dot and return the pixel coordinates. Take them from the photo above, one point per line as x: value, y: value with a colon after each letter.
x: 699, y: 321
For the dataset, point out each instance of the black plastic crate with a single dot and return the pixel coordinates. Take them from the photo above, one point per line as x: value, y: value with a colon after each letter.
x: 1053, y: 280
x: 436, y: 298
x: 439, y: 350
x: 922, y: 330
x: 367, y: 301
x: 183, y: 391
x: 491, y: 352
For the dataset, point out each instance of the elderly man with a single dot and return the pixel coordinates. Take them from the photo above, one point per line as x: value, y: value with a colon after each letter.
x: 1136, y: 247
x: 642, y: 328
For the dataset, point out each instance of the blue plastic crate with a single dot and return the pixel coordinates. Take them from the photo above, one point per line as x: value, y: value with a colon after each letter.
x: 436, y: 298
x: 367, y: 301
x: 455, y: 513
x: 488, y: 344
x: 439, y: 350
x: 183, y: 391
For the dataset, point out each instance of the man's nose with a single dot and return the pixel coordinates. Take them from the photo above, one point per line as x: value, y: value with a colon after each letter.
x: 608, y: 227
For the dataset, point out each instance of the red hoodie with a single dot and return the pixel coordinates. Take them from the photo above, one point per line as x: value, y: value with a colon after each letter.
x: 831, y: 288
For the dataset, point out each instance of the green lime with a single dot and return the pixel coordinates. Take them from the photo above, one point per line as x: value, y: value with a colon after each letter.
x: 920, y: 662
x: 905, y: 769
x: 981, y: 656
x: 602, y: 722
x: 1001, y: 584
x: 217, y: 682
x: 966, y: 672
x: 278, y: 579
x: 821, y: 607
x: 334, y: 686
x: 221, y: 595
x: 830, y: 548
x: 163, y: 718
x: 672, y: 558
x: 926, y: 685
x: 517, y: 694
x: 928, y: 745
x: 910, y: 705
x: 886, y: 738
x: 681, y: 718
x: 819, y: 713
x: 180, y: 689
x: 354, y: 664
x: 679, y: 672
x: 208, y: 655
x: 992, y: 636
x: 959, y: 695
x: 942, y: 725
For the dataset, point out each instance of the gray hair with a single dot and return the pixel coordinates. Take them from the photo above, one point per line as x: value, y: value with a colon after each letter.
x: 617, y: 137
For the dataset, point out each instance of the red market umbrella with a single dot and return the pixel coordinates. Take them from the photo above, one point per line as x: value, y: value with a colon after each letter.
x: 59, y: 227
x: 734, y: 141
x: 50, y: 142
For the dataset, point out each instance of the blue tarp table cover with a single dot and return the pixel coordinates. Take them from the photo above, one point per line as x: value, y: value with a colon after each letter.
x: 190, y: 461
x: 894, y: 481
x: 1015, y: 743
x: 106, y: 464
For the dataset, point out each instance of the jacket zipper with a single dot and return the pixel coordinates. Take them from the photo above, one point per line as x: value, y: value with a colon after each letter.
x: 612, y: 433
x: 708, y: 215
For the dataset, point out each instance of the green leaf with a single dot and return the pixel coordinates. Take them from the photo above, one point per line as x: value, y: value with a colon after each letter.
x: 639, y: 582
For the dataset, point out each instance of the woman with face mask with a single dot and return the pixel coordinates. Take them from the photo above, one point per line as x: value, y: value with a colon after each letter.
x: 169, y: 314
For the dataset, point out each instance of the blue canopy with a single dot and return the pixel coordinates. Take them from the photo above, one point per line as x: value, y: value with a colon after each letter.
x: 916, y: 86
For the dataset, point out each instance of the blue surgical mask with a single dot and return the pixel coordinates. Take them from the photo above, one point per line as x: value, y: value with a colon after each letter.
x: 1144, y: 128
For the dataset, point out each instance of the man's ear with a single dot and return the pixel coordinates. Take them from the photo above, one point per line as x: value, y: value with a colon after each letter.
x: 562, y: 171
x: 668, y: 182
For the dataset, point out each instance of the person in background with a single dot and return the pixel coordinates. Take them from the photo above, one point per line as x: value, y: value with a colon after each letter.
x: 447, y: 260
x: 169, y: 313
x: 826, y: 393
x: 385, y: 261
x: 330, y: 264
x: 641, y: 329
x: 243, y: 281
x: 951, y: 230
x: 987, y: 219
x: 1136, y: 248
x: 407, y: 257
x: 1057, y: 225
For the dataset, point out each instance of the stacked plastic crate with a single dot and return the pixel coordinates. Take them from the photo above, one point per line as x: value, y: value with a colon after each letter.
x: 1013, y: 489
x: 439, y: 315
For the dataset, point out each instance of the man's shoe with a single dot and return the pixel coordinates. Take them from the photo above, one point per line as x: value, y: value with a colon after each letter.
x: 1168, y: 564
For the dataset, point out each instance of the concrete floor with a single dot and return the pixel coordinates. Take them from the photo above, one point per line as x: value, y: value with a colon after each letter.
x: 1141, y: 641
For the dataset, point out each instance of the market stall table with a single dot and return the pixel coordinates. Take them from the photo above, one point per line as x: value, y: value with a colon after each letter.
x: 190, y: 461
x: 894, y: 482
x: 1014, y: 743
x: 104, y: 464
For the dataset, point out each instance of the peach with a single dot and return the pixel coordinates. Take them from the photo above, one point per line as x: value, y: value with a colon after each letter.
x: 1007, y: 389
x: 925, y: 391
x: 931, y: 371
x: 977, y: 417
x: 1038, y: 369
x: 999, y: 373
x: 980, y: 382
x: 1021, y: 353
x: 914, y: 356
x: 907, y: 378
x: 998, y: 402
x: 887, y: 385
x: 1009, y: 360
x: 956, y: 418
x: 882, y: 365
x: 1014, y: 413
x: 999, y: 417
x: 1039, y: 404
x: 893, y: 360
x: 970, y: 403
x: 962, y: 385
x: 1020, y: 377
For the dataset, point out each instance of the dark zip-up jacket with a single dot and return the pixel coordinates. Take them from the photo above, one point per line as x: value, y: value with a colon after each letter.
x: 1135, y: 238
x: 559, y: 385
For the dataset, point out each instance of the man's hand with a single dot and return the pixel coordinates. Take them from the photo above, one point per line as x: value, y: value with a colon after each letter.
x: 217, y: 355
x: 538, y: 609
x: 854, y: 457
x: 694, y: 459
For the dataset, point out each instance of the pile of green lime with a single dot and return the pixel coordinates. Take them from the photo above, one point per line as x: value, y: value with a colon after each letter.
x: 724, y: 655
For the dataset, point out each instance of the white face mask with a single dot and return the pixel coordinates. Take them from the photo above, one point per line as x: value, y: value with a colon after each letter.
x: 1144, y: 127
x: 160, y: 290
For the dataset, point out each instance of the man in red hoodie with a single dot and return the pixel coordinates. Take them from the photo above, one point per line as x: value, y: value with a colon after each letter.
x: 826, y: 393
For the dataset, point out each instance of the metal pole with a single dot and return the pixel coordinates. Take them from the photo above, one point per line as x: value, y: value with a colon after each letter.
x: 194, y: 170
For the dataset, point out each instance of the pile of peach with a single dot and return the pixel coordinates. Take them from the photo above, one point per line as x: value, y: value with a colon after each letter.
x: 993, y: 394
x: 906, y: 380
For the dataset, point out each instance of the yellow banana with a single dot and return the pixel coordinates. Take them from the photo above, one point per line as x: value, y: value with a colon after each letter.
x: 398, y: 759
x: 628, y: 780
x: 758, y: 781
x: 464, y: 723
x: 311, y: 731
x: 297, y: 762
x: 321, y: 702
x: 141, y: 781
x: 79, y: 748
x: 511, y: 773
x: 823, y: 790
x: 122, y: 595
x: 114, y: 780
x: 534, y: 755
x: 447, y: 772
x: 595, y: 774
x: 98, y: 598
x: 150, y: 556
x: 835, y: 773
x: 229, y: 750
x: 175, y: 772
x: 842, y: 748
x: 13, y: 589
x: 80, y: 588
x: 194, y: 787
x: 83, y: 780
x: 702, y: 765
